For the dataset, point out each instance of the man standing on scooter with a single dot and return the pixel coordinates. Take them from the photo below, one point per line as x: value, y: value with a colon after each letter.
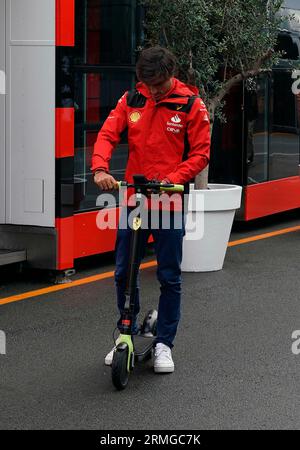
x: 169, y: 140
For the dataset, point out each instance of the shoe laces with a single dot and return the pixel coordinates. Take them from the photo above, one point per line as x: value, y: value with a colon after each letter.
x: 162, y: 349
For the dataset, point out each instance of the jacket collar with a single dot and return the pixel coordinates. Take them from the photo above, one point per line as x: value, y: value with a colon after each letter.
x: 179, y: 92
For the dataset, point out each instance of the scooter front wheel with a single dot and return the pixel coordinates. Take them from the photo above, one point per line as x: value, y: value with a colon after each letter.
x: 119, y: 368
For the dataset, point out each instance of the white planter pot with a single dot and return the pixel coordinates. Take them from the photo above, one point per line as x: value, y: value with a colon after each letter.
x: 209, y: 221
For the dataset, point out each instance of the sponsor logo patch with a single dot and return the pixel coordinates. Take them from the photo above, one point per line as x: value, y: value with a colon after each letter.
x: 174, y: 130
x: 137, y: 222
x: 176, y: 119
x: 174, y: 125
x: 135, y: 116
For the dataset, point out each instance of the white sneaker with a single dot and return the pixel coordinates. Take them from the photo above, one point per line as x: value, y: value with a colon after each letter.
x: 109, y: 357
x: 163, y: 362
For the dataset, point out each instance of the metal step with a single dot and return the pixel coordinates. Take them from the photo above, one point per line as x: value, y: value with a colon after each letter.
x: 11, y: 256
x: 142, y: 347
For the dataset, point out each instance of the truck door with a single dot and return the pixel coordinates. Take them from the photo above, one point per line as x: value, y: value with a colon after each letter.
x: 2, y: 111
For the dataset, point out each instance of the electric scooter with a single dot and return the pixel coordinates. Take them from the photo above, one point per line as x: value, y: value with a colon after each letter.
x: 132, y: 348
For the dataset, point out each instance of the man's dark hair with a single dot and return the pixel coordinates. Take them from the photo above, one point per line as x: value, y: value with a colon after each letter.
x: 155, y: 63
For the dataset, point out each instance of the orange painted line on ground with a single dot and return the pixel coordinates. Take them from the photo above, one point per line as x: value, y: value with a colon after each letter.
x: 60, y: 287
x: 103, y: 276
x: 264, y: 236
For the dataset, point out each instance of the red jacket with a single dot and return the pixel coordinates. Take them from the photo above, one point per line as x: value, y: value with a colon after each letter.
x: 157, y: 134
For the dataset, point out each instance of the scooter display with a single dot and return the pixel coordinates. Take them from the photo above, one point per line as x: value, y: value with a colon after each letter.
x: 131, y: 348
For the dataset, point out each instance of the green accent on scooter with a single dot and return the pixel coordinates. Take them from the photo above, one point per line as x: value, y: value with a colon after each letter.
x: 126, y: 339
x: 170, y: 187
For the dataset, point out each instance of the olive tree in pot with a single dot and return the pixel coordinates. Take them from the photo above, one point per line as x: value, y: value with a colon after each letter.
x: 218, y: 44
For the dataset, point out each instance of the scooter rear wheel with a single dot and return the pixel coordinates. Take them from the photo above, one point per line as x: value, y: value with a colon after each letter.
x: 119, y: 370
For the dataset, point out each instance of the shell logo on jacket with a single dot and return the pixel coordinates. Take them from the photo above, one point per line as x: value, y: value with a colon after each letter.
x: 134, y: 116
x: 158, y: 133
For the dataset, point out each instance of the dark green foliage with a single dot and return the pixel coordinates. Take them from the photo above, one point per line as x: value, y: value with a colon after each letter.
x: 217, y: 42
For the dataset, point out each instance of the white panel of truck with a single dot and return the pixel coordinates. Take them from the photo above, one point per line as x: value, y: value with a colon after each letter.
x: 2, y: 111
x: 30, y: 112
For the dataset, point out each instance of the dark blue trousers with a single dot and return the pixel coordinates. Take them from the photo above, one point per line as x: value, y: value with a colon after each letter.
x: 168, y: 249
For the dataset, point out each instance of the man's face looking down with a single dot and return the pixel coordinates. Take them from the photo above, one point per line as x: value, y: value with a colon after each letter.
x: 158, y: 88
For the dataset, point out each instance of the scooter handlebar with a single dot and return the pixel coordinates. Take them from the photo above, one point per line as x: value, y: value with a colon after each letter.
x: 172, y: 187
x: 168, y: 187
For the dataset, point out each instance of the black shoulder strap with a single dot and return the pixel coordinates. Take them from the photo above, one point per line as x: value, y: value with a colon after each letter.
x: 191, y: 102
x: 186, y: 141
x: 185, y: 154
x: 187, y: 148
x: 135, y: 99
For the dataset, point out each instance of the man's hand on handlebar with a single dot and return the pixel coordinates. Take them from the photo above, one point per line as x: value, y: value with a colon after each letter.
x: 164, y: 181
x: 105, y: 181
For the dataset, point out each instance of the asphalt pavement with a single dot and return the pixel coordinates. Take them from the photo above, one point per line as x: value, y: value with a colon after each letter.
x: 234, y: 366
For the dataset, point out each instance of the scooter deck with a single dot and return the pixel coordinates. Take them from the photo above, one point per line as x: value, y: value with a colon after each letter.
x: 142, y: 347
